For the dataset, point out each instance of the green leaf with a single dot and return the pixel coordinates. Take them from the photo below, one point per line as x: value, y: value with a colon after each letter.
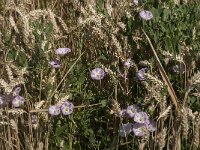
x: 104, y: 103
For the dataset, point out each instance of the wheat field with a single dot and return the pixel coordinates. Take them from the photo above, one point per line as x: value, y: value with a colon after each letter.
x: 99, y: 74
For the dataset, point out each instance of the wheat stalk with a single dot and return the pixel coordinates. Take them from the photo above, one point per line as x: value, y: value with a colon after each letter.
x: 36, y: 14
x: 53, y: 21
x: 9, y: 73
x: 16, y: 111
x: 13, y: 24
x: 195, y: 80
x: 162, y: 138
x: 196, y: 132
x: 39, y: 104
x: 115, y: 108
x: 184, y: 122
x: 165, y: 113
x: 164, y: 75
x: 14, y: 125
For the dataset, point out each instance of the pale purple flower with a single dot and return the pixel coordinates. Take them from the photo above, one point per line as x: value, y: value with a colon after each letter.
x: 54, y: 110
x: 139, y: 129
x: 135, y: 2
x: 125, y: 129
x: 67, y: 108
x: 18, y: 101
x: 97, y: 74
x: 122, y: 113
x: 131, y: 110
x: 140, y: 74
x: 55, y: 63
x: 2, y: 101
x: 179, y: 68
x: 16, y: 91
x: 146, y: 15
x: 141, y: 117
x: 128, y: 63
x: 63, y: 51
x: 151, y: 126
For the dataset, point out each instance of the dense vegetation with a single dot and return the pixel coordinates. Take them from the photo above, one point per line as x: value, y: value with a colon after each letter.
x: 99, y: 74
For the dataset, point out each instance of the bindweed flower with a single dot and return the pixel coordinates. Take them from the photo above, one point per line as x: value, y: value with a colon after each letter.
x: 97, y: 74
x: 179, y: 68
x: 122, y: 113
x: 146, y: 15
x: 128, y: 63
x: 54, y: 110
x: 67, y: 108
x: 131, y: 110
x: 55, y: 63
x: 125, y: 129
x: 135, y: 2
x: 18, y: 101
x: 139, y: 129
x: 141, y: 117
x: 63, y: 51
x: 140, y: 74
x: 16, y: 91
x: 151, y: 126
x: 2, y: 101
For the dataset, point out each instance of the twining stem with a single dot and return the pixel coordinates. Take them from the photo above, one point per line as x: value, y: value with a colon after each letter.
x: 65, y: 75
x: 46, y: 110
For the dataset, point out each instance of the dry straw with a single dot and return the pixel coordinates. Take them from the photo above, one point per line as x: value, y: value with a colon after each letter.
x: 164, y: 75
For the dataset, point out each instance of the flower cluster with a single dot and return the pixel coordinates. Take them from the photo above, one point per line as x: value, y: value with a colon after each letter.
x: 66, y: 108
x: 18, y: 100
x: 14, y: 98
x: 141, y: 125
x: 59, y: 52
